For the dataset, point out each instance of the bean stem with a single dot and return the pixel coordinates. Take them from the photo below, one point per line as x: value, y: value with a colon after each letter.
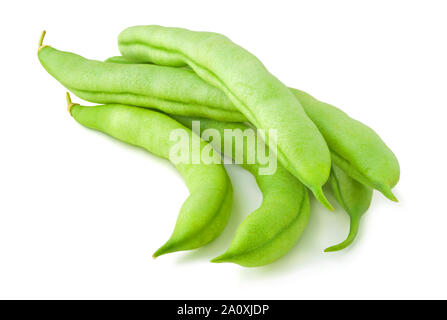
x: 69, y: 103
x: 42, y: 36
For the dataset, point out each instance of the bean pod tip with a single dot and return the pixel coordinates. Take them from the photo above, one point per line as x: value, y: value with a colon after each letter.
x: 166, y: 248
x: 319, y: 195
x: 353, y: 231
x: 387, y: 193
x: 219, y: 259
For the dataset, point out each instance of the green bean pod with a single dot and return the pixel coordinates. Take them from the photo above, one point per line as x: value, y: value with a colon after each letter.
x: 354, y: 197
x: 270, y: 231
x: 174, y: 91
x: 354, y: 146
x: 256, y: 93
x: 205, y: 213
x: 281, y: 196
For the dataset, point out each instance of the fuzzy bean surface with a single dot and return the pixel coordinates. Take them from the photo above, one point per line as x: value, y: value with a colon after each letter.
x: 175, y: 91
x: 272, y: 230
x: 205, y: 213
x: 256, y: 93
x: 354, y: 146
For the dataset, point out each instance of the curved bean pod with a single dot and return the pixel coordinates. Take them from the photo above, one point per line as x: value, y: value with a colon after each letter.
x: 354, y: 146
x: 146, y: 85
x: 257, y: 94
x: 354, y: 197
x: 270, y: 231
x: 205, y: 212
x: 281, y: 196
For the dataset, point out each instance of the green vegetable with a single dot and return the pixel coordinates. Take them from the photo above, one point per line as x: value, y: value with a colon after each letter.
x: 201, y: 76
x: 354, y: 197
x: 354, y: 146
x: 175, y: 91
x: 205, y: 213
x: 269, y: 232
x: 257, y: 94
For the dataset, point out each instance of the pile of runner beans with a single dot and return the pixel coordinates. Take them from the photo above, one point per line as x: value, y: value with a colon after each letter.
x: 168, y: 78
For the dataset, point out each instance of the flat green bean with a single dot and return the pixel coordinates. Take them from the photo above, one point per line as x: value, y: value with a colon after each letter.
x: 354, y: 146
x: 270, y: 231
x: 281, y: 196
x: 205, y: 212
x: 256, y: 93
x: 354, y: 197
x: 172, y: 90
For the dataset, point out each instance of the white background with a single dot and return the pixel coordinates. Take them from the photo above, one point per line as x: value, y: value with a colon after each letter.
x: 81, y: 214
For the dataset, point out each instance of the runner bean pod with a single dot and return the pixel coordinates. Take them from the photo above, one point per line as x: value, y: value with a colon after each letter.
x: 354, y: 197
x: 205, y: 212
x: 270, y: 231
x: 175, y: 91
x: 354, y: 146
x: 256, y: 93
x: 280, y: 198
